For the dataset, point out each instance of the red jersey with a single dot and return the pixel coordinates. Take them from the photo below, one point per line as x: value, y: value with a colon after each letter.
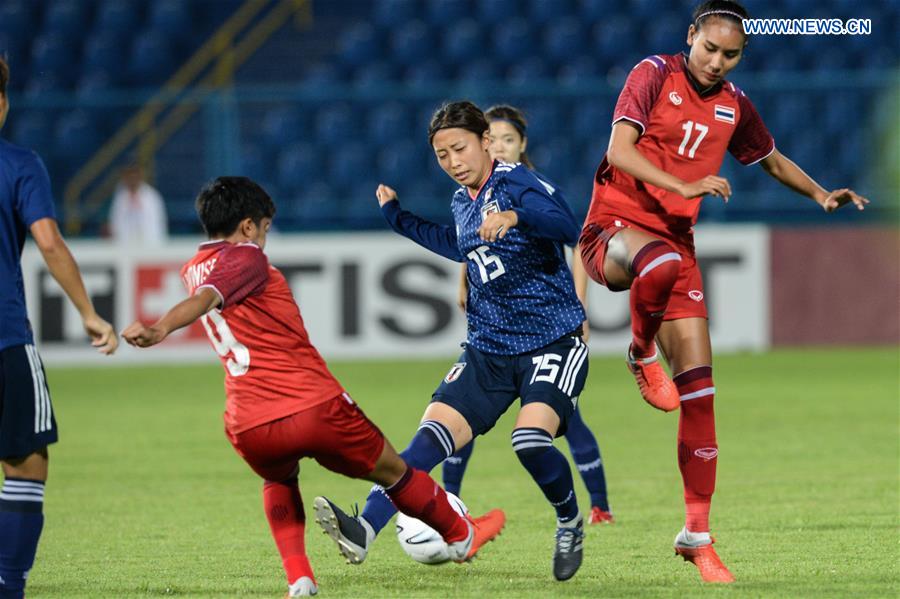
x: 685, y: 132
x: 271, y: 369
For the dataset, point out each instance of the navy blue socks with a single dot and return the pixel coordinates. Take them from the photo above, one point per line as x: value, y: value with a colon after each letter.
x: 21, y: 521
x: 549, y: 469
x: 455, y: 467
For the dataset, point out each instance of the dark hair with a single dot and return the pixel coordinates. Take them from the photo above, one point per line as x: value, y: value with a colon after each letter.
x: 225, y: 202
x: 461, y: 115
x: 722, y: 9
x: 4, y: 75
x: 513, y: 116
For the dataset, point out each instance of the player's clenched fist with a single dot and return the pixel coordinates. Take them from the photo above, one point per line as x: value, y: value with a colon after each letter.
x: 495, y: 226
x: 385, y: 194
x: 138, y: 335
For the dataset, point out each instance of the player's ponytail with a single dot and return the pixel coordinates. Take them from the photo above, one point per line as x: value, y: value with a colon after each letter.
x: 720, y: 9
x: 513, y: 116
x: 458, y: 115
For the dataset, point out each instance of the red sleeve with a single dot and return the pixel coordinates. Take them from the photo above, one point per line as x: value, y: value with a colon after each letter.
x: 751, y: 141
x: 240, y: 272
x: 640, y: 92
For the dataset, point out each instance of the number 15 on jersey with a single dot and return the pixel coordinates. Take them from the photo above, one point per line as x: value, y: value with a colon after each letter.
x: 489, y: 265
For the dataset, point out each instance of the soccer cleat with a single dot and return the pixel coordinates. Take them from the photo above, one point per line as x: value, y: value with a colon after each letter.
x: 303, y: 587
x: 482, y: 530
x: 700, y: 552
x: 600, y: 516
x: 348, y: 532
x: 655, y: 384
x: 568, y: 554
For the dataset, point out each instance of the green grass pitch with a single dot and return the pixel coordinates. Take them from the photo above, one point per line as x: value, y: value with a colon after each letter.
x: 146, y: 497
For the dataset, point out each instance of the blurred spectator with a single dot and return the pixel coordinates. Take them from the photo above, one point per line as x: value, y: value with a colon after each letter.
x: 138, y: 212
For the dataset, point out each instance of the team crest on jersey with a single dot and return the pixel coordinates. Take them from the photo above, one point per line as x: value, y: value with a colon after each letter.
x: 724, y: 114
x: 489, y: 207
x: 675, y: 98
x: 455, y: 371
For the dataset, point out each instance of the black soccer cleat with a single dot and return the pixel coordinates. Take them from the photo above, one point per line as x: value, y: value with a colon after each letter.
x: 568, y: 554
x: 346, y: 531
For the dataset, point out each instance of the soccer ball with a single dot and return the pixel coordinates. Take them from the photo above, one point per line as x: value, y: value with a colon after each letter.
x: 423, y: 543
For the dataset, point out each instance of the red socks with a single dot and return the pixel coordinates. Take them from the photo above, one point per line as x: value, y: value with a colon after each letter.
x: 655, y: 268
x: 287, y: 520
x: 417, y: 495
x: 697, y: 447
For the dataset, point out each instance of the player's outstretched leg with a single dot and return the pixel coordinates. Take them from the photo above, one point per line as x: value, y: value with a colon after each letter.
x: 550, y: 470
x: 402, y: 485
x: 655, y: 268
x: 417, y: 495
x: 454, y: 468
x: 287, y: 521
x: 431, y: 445
x: 586, y: 453
x: 697, y: 456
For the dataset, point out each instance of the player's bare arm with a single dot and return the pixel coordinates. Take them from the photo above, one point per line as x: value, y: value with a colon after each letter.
x: 64, y: 269
x: 181, y: 315
x: 623, y: 155
x: 790, y: 175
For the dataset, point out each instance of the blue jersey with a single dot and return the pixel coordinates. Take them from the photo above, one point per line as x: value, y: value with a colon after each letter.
x: 24, y: 198
x: 521, y: 293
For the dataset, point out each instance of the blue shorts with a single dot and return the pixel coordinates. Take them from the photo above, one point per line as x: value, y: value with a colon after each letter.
x: 482, y: 386
x: 27, y: 423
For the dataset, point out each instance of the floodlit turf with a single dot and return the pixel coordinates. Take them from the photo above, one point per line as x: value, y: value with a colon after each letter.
x: 146, y: 497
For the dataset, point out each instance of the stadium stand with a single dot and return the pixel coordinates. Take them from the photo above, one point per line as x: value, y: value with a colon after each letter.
x: 324, y: 113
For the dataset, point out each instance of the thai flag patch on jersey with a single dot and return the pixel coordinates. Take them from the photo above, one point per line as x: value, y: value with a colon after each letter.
x: 724, y: 114
x: 490, y: 208
x: 455, y: 371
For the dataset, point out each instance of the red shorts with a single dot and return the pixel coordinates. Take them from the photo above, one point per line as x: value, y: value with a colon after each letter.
x: 686, y: 300
x: 335, y: 433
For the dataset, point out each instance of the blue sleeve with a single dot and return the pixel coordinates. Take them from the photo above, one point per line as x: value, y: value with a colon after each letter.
x: 33, y: 198
x: 541, y: 212
x: 440, y: 239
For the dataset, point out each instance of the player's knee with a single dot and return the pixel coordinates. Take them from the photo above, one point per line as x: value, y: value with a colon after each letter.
x: 530, y: 443
x: 658, y: 261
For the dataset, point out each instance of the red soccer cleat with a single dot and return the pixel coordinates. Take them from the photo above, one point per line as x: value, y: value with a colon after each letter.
x: 705, y: 558
x: 655, y: 384
x: 484, y: 529
x: 599, y: 516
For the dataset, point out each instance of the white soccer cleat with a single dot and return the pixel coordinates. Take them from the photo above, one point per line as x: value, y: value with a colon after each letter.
x: 459, y: 550
x: 303, y: 587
